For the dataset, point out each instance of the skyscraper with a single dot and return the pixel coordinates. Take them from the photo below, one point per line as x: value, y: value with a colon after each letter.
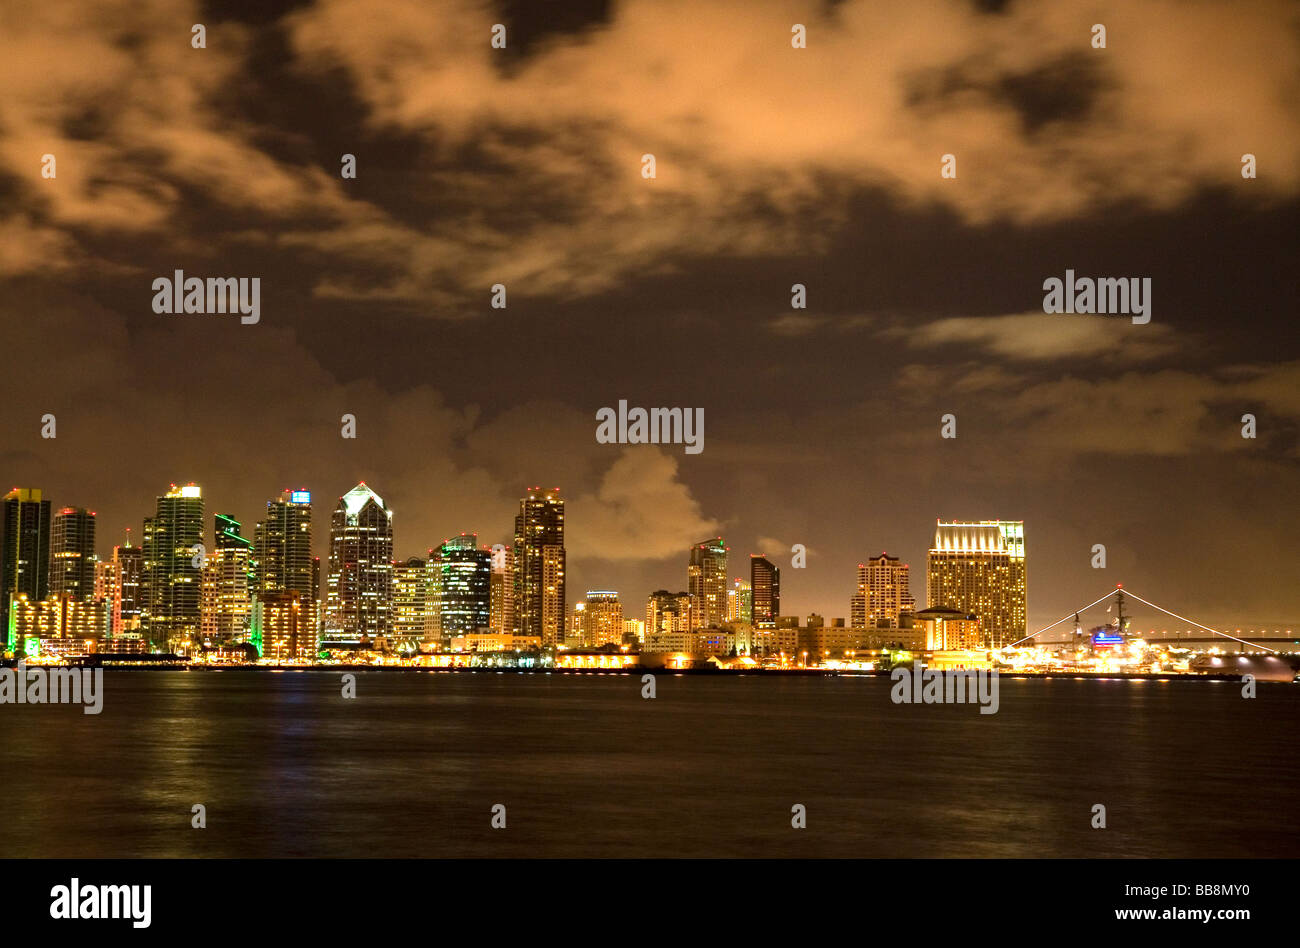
x: 602, y: 620
x: 540, y: 565
x: 884, y: 594
x: 24, y: 551
x: 130, y: 579
x: 282, y: 547
x: 226, y: 596
x: 706, y: 583
x: 740, y: 601
x: 171, y: 577
x: 765, y: 583
x: 359, y: 601
x: 978, y: 568
x: 72, y: 553
x: 410, y: 601
x: 464, y: 587
x: 501, y: 595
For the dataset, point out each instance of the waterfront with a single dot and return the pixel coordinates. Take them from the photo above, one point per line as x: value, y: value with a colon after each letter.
x: 711, y: 767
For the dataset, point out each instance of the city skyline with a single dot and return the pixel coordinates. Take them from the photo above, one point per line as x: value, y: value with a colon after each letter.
x: 922, y: 295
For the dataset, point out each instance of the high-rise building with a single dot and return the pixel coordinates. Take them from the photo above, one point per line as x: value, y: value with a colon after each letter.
x: 172, y: 581
x: 602, y: 620
x: 24, y: 551
x: 706, y: 582
x: 410, y: 601
x: 540, y: 565
x: 226, y: 594
x: 883, y: 596
x: 740, y: 602
x: 765, y: 583
x: 72, y: 553
x: 502, y: 593
x: 285, y: 625
x: 978, y: 568
x: 359, y: 601
x: 464, y: 586
x: 130, y: 578
x: 282, y: 547
x: 667, y: 612
x: 108, y: 594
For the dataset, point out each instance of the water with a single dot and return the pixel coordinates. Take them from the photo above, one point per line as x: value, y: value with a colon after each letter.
x: 586, y: 767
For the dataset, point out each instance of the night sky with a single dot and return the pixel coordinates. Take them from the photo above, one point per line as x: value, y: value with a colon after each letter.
x: 774, y: 166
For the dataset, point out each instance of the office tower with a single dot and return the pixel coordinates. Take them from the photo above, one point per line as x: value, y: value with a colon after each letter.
x: 172, y: 548
x: 740, y: 602
x: 410, y: 601
x: 464, y: 586
x: 129, y: 561
x: 667, y: 612
x: 24, y: 551
x: 540, y: 565
x: 978, y: 568
x: 706, y: 582
x: 502, y: 593
x: 72, y: 553
x: 359, y: 601
x: 282, y: 547
x: 226, y: 594
x: 765, y: 581
x: 884, y: 596
x: 602, y: 620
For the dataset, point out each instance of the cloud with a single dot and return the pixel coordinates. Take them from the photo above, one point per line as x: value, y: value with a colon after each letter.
x: 640, y: 511
x: 1043, y: 337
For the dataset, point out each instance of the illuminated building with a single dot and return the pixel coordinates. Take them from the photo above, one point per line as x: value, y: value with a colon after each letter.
x: 596, y: 659
x: 226, y: 594
x: 667, y: 612
x: 282, y: 547
x: 171, y: 576
x: 129, y: 562
x: 979, y: 568
x: 410, y: 600
x: 740, y: 602
x: 72, y: 553
x: 108, y: 594
x: 947, y: 630
x: 602, y: 620
x: 287, y: 626
x: 884, y: 596
x: 359, y: 601
x: 634, y: 631
x: 501, y: 595
x: 706, y: 583
x: 24, y: 551
x: 464, y: 586
x: 765, y: 581
x: 54, y: 618
x: 540, y: 565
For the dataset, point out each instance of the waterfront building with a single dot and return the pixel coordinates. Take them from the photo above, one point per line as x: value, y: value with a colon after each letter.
x: 359, y: 600
x: 282, y: 545
x: 171, y: 576
x: 706, y: 583
x: 602, y: 622
x: 24, y: 551
x: 72, y: 553
x: 884, y: 596
x: 540, y: 565
x: 978, y: 567
x: 765, y: 582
